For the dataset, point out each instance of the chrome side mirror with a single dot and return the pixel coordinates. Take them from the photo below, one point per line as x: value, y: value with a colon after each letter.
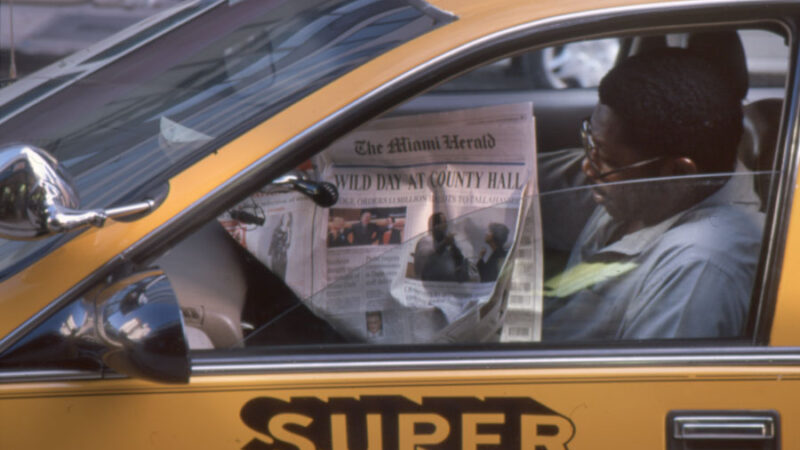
x: 141, y: 326
x: 38, y: 199
x: 133, y: 326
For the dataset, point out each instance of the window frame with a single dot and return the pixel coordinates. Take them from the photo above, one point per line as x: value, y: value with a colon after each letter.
x: 536, y: 34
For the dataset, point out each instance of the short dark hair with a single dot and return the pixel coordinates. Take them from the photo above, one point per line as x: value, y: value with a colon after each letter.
x: 675, y: 103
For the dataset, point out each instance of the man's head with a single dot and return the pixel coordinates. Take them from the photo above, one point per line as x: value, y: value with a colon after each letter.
x: 498, y: 235
x: 661, y: 114
x: 437, y: 225
x: 366, y: 216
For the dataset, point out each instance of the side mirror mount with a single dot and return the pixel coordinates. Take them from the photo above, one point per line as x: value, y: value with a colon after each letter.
x: 38, y: 198
x: 141, y: 326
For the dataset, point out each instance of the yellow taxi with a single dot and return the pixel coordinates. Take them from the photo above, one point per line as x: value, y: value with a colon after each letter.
x: 634, y: 297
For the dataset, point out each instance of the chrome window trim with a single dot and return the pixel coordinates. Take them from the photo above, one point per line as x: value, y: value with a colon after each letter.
x: 183, y: 222
x: 475, y: 361
x: 43, y: 375
x: 262, y: 365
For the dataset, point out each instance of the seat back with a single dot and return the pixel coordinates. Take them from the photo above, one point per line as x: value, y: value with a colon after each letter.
x: 760, y: 141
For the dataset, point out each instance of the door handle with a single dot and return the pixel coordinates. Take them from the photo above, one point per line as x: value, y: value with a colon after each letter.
x: 724, y: 427
x: 710, y: 429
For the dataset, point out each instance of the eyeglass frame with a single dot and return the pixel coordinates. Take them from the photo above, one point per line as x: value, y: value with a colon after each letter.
x: 589, y: 147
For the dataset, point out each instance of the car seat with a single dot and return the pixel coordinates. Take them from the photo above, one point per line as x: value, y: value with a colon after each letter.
x: 207, y: 275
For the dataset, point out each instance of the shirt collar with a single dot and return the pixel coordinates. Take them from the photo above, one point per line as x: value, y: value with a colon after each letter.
x: 634, y: 243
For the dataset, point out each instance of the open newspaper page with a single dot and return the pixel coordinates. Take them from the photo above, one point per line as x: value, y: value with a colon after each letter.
x: 428, y: 212
x: 436, y: 236
x: 276, y: 228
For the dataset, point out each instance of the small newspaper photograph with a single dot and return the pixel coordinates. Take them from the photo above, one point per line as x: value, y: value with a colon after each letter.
x: 275, y: 227
x: 435, y: 238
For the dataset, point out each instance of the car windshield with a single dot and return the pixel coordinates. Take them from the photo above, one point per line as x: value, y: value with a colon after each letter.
x: 163, y: 98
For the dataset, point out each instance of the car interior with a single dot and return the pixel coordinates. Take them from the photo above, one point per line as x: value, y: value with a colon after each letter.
x: 231, y: 299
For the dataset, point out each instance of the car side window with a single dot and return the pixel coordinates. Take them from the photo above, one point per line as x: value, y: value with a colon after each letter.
x: 625, y: 204
x: 644, y: 230
x: 642, y: 226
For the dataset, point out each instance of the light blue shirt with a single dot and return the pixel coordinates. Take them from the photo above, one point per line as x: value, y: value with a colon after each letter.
x: 689, y: 276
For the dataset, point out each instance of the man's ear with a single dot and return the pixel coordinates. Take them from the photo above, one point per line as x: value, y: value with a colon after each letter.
x: 679, y: 166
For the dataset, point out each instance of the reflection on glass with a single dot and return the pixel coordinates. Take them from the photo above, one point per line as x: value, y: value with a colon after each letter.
x: 135, y: 330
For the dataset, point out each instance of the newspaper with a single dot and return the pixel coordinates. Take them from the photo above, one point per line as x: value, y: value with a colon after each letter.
x: 435, y: 237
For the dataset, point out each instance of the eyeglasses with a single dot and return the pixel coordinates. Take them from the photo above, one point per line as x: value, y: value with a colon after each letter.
x: 590, y: 148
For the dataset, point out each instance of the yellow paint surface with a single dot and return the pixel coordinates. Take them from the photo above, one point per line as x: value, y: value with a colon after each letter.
x: 129, y: 414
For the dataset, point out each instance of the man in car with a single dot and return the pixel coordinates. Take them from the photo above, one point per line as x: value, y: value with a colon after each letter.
x: 437, y: 257
x: 670, y: 250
